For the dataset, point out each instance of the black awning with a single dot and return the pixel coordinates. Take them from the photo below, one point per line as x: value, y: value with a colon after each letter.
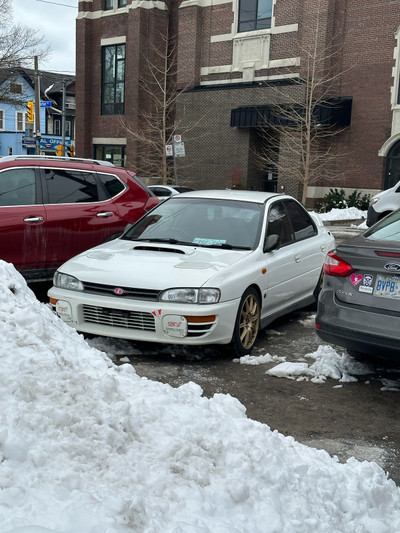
x: 331, y: 112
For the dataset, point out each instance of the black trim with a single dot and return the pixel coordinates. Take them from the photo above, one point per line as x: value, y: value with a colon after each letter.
x: 332, y: 112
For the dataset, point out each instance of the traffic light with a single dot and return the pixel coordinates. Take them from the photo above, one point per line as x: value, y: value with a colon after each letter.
x: 59, y: 150
x: 71, y: 151
x: 30, y: 114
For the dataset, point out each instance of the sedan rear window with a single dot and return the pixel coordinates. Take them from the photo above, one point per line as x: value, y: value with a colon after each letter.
x: 388, y: 229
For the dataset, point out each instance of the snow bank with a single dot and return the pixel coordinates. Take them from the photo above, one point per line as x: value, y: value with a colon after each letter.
x: 90, y: 447
x: 350, y: 213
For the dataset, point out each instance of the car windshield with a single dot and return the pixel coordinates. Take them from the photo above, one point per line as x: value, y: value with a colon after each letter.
x: 201, y: 222
x: 388, y: 229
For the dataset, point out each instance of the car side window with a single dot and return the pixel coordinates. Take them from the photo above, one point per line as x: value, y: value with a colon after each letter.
x: 17, y: 187
x: 302, y: 223
x: 159, y: 191
x: 70, y: 186
x: 112, y: 184
x: 279, y: 224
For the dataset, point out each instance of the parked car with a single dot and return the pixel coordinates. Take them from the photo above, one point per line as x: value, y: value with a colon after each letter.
x: 383, y: 203
x: 206, y: 267
x: 52, y: 208
x: 358, y: 306
x: 166, y: 191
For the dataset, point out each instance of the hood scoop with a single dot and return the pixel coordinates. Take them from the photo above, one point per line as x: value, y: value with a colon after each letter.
x: 150, y: 248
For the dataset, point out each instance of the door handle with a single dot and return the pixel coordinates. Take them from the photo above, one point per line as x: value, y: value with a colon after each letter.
x: 33, y: 219
x: 297, y: 258
x: 323, y: 248
x: 105, y: 214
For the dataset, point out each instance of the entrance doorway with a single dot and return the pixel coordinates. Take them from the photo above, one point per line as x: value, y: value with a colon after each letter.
x: 392, y: 175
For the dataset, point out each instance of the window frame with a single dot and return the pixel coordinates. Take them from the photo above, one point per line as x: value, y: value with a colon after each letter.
x: 16, y: 88
x: 2, y: 120
x: 113, y: 87
x: 255, y: 22
x: 22, y: 120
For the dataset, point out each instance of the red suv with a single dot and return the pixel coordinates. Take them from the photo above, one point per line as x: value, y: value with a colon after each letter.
x: 52, y: 208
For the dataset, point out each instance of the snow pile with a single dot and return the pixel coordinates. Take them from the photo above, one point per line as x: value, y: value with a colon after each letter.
x: 327, y: 364
x: 350, y: 213
x: 90, y: 447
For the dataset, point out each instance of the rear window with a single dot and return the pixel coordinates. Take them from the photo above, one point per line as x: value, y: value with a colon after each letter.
x: 112, y: 184
x: 388, y: 229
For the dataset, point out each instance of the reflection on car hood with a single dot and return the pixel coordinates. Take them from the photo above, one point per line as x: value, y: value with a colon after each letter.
x: 150, y: 265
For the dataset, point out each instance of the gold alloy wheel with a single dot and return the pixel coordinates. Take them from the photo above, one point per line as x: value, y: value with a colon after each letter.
x: 249, y: 321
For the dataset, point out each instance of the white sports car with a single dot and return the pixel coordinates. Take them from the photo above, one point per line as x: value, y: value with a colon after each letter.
x: 204, y: 267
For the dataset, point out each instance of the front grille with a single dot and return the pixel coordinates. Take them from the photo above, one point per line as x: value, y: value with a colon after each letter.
x: 150, y: 295
x: 118, y: 318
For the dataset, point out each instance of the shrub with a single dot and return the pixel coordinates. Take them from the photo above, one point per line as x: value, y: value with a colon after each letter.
x: 336, y: 199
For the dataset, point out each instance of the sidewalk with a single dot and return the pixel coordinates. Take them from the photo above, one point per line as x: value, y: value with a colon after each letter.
x: 344, y: 229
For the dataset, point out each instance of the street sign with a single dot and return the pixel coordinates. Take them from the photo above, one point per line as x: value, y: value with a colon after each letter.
x: 177, y: 138
x: 168, y: 150
x: 45, y: 103
x: 179, y: 149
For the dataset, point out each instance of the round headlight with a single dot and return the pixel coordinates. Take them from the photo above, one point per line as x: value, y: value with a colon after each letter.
x: 65, y: 281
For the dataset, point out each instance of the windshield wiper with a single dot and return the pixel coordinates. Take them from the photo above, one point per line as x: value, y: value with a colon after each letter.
x: 225, y: 246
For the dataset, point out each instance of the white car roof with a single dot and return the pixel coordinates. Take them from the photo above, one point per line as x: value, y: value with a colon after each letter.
x: 230, y: 194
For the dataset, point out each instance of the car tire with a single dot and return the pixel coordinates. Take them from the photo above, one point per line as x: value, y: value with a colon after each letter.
x: 247, y: 323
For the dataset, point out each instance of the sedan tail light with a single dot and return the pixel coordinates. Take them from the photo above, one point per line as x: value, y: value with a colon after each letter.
x: 336, y: 266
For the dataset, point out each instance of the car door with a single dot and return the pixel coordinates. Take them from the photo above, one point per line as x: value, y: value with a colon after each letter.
x: 22, y: 220
x: 78, y: 216
x: 291, y: 269
x: 312, y: 248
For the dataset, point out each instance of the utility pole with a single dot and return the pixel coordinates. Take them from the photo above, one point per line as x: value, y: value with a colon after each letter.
x: 63, y: 115
x: 37, y: 106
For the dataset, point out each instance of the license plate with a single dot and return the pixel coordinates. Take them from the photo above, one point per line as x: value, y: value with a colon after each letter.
x: 387, y: 286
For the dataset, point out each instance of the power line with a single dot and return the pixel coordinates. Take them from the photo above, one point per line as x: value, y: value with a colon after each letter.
x: 57, y: 3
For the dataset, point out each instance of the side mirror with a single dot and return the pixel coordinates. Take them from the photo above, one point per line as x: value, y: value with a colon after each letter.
x: 272, y: 243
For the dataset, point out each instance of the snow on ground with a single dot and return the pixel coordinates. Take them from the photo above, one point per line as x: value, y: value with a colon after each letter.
x: 87, y: 446
x: 350, y: 213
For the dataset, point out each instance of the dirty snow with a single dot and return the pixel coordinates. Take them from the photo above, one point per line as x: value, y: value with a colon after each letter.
x: 90, y: 447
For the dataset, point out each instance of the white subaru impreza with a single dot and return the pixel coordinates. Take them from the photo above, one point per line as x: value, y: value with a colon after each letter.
x: 204, y: 267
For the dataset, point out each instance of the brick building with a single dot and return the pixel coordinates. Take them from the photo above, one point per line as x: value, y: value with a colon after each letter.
x: 236, y: 60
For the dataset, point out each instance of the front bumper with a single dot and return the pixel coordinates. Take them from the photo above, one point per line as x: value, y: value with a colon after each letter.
x: 359, y: 329
x: 139, y: 320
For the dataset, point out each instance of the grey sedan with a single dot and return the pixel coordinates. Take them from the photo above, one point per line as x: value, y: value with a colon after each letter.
x: 359, y: 305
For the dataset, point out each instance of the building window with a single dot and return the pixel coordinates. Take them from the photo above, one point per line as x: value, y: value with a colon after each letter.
x: 122, y: 3
x: 20, y: 121
x: 108, y: 4
x: 112, y: 153
x: 2, y: 119
x: 113, y: 76
x: 57, y: 129
x: 15, y: 88
x: 254, y: 14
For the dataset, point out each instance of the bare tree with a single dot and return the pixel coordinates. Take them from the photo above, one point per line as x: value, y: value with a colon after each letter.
x: 156, y: 123
x: 297, y: 143
x: 18, y: 47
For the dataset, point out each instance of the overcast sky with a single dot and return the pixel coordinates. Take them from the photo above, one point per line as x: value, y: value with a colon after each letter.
x: 56, y: 22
